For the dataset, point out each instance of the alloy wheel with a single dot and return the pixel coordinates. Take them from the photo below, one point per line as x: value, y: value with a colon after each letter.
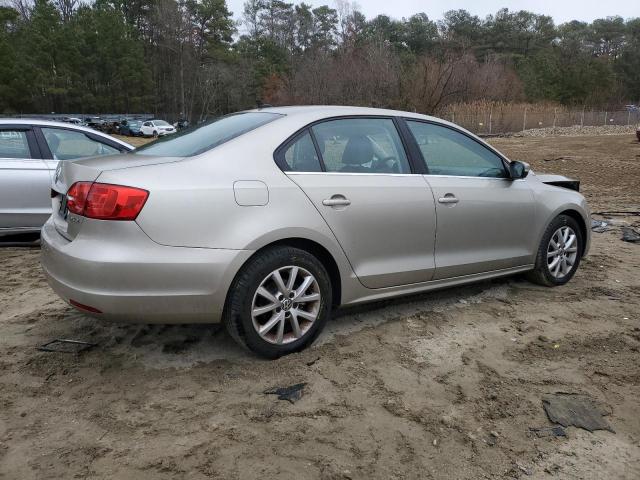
x: 562, y: 252
x: 285, y: 305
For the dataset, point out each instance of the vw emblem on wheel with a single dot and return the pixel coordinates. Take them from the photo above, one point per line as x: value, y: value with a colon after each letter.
x: 287, y: 304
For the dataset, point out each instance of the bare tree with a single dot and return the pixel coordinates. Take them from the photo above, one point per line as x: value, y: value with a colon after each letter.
x: 67, y: 8
x: 23, y: 7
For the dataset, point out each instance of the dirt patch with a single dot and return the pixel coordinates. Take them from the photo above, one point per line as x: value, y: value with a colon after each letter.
x: 442, y: 385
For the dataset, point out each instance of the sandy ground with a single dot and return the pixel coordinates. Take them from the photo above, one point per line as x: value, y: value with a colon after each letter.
x: 443, y: 385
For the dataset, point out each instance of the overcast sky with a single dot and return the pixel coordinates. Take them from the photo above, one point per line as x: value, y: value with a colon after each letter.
x: 560, y: 10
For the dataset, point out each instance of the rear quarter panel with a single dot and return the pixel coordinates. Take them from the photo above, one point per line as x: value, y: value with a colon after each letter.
x: 192, y: 203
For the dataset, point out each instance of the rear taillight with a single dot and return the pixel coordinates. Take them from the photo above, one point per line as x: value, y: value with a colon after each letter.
x: 104, y: 201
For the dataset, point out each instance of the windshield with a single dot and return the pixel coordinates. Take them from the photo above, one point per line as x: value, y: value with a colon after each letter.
x: 199, y: 139
x: 160, y: 123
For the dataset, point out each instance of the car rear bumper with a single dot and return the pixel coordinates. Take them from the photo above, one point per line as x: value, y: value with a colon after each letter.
x: 129, y: 278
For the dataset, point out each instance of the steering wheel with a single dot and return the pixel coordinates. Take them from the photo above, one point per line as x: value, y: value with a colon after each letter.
x: 388, y: 164
x: 491, y: 172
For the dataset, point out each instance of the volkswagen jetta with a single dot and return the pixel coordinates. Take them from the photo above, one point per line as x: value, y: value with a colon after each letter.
x: 268, y: 219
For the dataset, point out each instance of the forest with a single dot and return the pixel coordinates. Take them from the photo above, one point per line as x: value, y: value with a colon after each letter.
x: 196, y: 59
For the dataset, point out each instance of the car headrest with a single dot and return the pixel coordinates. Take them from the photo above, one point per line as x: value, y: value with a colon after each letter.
x: 358, y: 151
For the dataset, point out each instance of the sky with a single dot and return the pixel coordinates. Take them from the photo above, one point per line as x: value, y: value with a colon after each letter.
x: 560, y: 10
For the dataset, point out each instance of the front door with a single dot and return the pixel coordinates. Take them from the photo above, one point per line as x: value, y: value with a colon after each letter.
x: 484, y: 217
x: 356, y: 172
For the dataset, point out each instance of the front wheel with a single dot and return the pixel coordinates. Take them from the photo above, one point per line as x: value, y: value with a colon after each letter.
x: 279, y: 302
x: 559, y: 253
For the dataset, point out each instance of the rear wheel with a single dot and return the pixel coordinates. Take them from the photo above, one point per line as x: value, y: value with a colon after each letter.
x: 279, y: 302
x: 559, y: 252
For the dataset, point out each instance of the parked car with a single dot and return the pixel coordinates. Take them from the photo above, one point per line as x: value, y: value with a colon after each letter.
x: 268, y: 219
x: 130, y: 128
x: 638, y: 133
x: 73, y: 120
x: 30, y: 152
x: 96, y: 123
x: 157, y: 128
x: 181, y: 124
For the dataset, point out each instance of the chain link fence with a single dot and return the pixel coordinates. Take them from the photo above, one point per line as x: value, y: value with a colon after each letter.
x: 496, y: 123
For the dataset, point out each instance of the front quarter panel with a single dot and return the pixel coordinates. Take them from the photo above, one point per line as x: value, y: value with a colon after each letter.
x: 551, y: 201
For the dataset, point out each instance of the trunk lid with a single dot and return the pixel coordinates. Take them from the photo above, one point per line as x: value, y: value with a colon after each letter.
x: 88, y: 170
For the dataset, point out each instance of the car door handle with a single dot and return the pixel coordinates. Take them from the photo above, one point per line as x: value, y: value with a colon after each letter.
x: 448, y: 198
x: 336, y: 201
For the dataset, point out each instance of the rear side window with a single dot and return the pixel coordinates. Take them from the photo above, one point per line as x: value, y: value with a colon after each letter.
x: 301, y: 155
x: 448, y: 152
x: 197, y: 140
x: 13, y: 144
x: 69, y: 145
x: 361, y: 145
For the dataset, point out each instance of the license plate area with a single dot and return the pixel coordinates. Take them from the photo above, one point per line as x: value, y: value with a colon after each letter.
x: 63, y: 209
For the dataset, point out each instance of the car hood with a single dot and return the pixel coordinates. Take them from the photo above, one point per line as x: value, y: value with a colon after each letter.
x: 560, y: 181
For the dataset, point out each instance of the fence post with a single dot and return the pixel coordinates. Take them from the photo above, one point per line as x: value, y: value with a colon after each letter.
x: 555, y: 115
x: 524, y: 121
x: 582, y: 118
x: 453, y: 117
x: 628, y: 117
x: 605, y: 117
x: 490, y: 120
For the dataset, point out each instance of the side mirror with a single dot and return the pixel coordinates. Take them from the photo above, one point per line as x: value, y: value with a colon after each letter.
x: 518, y: 169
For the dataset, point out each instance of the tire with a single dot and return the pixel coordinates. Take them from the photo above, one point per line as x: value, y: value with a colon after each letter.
x: 552, y: 274
x: 155, y: 134
x: 242, y: 316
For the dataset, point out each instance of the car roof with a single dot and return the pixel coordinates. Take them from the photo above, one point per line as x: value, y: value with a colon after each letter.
x: 311, y: 113
x: 69, y: 126
x: 340, y: 110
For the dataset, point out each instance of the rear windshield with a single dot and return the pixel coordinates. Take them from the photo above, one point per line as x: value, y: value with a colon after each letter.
x: 199, y: 139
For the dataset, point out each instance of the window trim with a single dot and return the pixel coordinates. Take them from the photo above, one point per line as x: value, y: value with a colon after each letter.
x: 34, y: 148
x: 505, y: 161
x: 278, y: 154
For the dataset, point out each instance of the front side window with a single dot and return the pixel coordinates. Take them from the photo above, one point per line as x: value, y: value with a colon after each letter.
x: 448, y: 152
x: 301, y: 155
x: 361, y: 145
x: 14, y: 144
x: 69, y: 145
x: 197, y: 140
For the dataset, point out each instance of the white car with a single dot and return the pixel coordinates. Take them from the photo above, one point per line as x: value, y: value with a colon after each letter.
x: 157, y: 128
x: 31, y: 151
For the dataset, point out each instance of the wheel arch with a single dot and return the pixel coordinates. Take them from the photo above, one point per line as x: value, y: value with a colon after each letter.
x: 314, y: 248
x: 577, y: 216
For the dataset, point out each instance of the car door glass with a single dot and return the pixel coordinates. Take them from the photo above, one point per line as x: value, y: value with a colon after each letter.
x: 301, y: 155
x: 448, y: 152
x: 361, y: 145
x: 14, y: 144
x: 68, y: 145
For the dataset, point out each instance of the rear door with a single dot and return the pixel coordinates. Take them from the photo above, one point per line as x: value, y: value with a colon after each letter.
x: 357, y: 174
x: 484, y: 217
x: 25, y: 202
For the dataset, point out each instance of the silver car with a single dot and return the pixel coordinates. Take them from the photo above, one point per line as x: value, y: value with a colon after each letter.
x: 268, y: 219
x: 30, y: 152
